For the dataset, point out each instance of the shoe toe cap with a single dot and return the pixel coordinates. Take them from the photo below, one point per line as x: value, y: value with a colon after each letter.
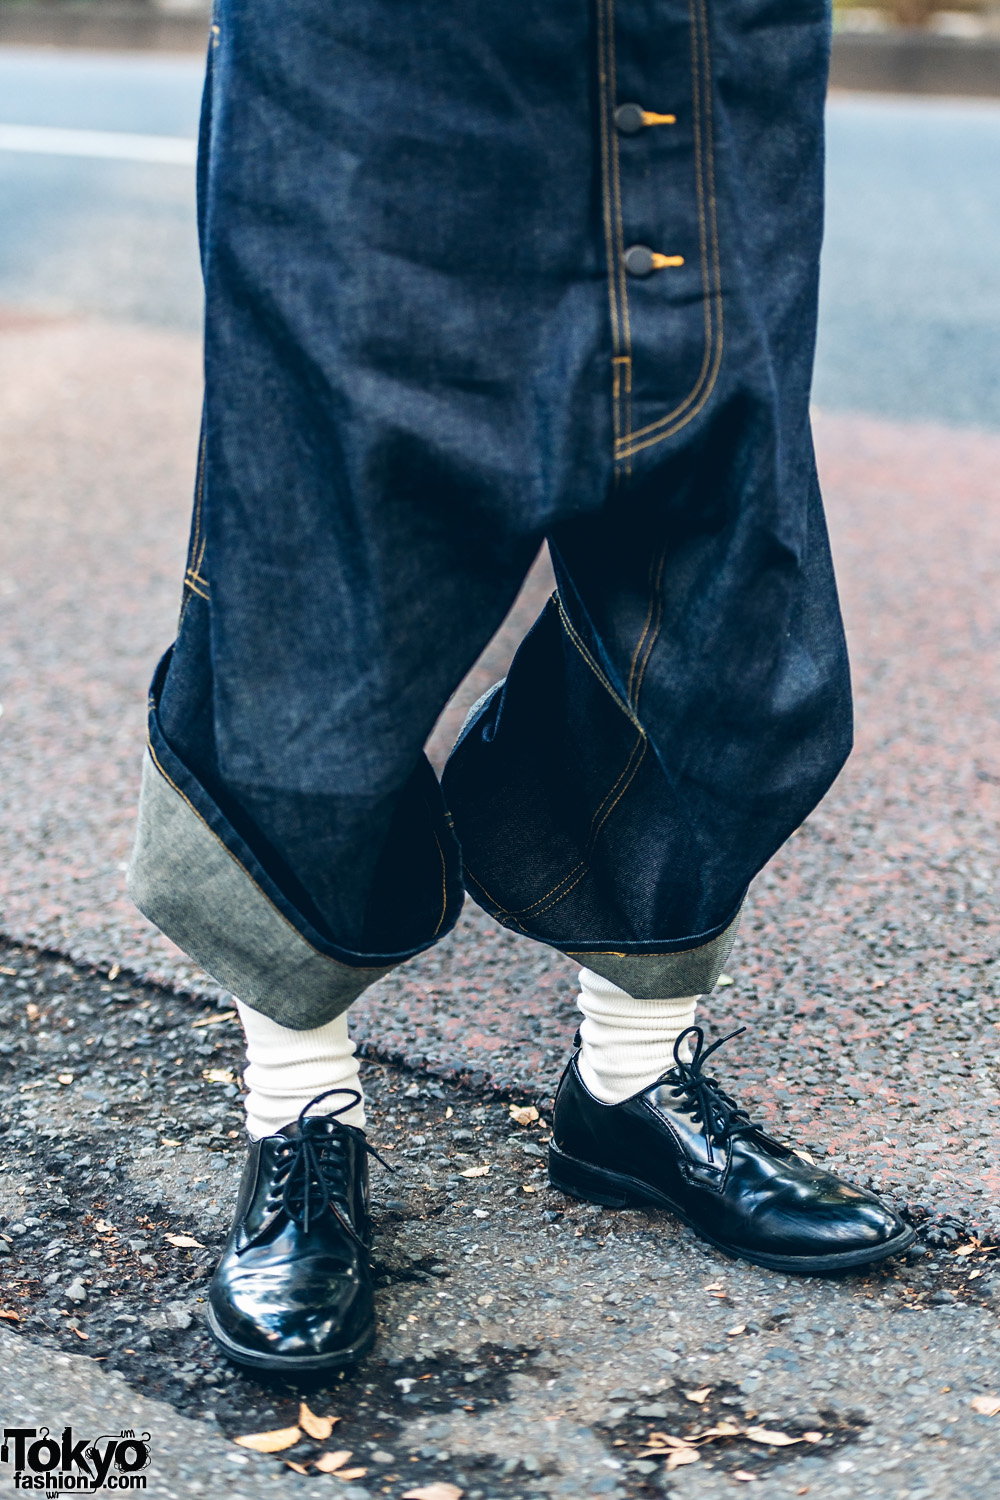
x: 277, y: 1317
x: 836, y: 1219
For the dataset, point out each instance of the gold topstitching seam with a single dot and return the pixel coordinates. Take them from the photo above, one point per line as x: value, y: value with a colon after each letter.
x: 713, y: 288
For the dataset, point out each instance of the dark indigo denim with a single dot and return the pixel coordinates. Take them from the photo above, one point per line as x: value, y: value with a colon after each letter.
x: 427, y: 352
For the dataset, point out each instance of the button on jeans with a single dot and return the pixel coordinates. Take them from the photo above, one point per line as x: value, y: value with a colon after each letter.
x: 478, y: 277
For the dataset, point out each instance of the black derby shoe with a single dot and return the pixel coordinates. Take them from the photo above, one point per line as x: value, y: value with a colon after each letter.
x: 293, y: 1290
x: 686, y: 1146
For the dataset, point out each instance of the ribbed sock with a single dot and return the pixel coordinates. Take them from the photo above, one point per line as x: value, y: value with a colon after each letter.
x: 287, y: 1068
x: 627, y: 1044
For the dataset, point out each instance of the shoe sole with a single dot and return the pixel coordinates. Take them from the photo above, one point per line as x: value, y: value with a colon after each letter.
x: 336, y: 1359
x: 579, y: 1179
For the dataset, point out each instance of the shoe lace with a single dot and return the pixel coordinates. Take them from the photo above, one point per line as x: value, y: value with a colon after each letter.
x: 311, y: 1174
x: 724, y: 1120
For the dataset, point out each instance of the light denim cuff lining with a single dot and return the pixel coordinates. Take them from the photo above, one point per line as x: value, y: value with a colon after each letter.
x: 665, y: 976
x: 183, y: 878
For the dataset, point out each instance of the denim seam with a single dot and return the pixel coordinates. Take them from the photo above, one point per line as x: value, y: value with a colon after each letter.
x: 444, y: 884
x: 196, y: 550
x: 537, y: 907
x: 658, y: 601
x: 362, y: 968
x: 580, y: 870
x: 708, y: 234
x: 594, y: 666
x: 619, y: 343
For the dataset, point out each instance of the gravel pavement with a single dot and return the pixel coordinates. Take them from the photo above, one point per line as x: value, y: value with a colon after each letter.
x: 529, y: 1345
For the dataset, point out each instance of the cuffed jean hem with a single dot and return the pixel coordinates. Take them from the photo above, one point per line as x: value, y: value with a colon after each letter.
x: 186, y: 881
x: 196, y: 879
x: 684, y: 970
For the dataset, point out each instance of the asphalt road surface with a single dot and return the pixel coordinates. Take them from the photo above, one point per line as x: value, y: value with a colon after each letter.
x: 530, y: 1347
x: 910, y: 313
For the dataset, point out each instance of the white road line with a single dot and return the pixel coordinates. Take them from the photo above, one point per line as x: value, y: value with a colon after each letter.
x: 113, y: 145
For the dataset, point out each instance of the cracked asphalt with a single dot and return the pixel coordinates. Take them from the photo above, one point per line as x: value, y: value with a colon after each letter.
x: 529, y: 1345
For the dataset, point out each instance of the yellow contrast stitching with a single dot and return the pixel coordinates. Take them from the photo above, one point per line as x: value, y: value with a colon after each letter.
x: 597, y: 821
x: 593, y: 665
x: 592, y: 832
x: 708, y: 234
x: 658, y: 595
x: 645, y: 629
x: 643, y: 742
x: 363, y: 968
x: 604, y: 101
x: 671, y: 953
x: 444, y: 884
x: 553, y: 896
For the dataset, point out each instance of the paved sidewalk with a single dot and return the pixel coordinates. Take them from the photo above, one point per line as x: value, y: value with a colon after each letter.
x: 529, y: 1346
x: 866, y: 968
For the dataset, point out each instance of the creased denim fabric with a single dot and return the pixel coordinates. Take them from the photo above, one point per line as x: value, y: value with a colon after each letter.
x: 479, y: 276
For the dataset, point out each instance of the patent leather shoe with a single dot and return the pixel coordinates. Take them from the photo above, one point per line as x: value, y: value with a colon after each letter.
x: 686, y: 1146
x: 293, y: 1290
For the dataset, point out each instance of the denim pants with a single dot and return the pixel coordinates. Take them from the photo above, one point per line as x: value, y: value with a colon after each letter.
x: 479, y: 277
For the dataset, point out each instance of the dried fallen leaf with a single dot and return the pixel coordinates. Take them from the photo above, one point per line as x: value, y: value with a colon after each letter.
x: 31, y: 1011
x: 772, y: 1439
x: 103, y: 1227
x: 812, y: 1437
x: 64, y: 1078
x: 217, y: 1075
x: 669, y: 1439
x: 328, y: 1463
x: 436, y: 1491
x: 739, y: 1328
x: 270, y: 1442
x: 12, y: 1317
x: 967, y: 1249
x: 743, y: 1476
x: 167, y: 1142
x: 986, y: 1406
x: 114, y: 971
x: 803, y: 1155
x: 525, y: 1115
x: 351, y: 1473
x: 183, y: 1241
x: 317, y: 1427
x: 681, y: 1456
x: 724, y: 1429
x: 81, y: 1335
x: 214, y: 1020
x: 699, y: 1397
x: 299, y: 1468
x: 448, y: 1112
x: 528, y: 1187
x: 475, y: 1172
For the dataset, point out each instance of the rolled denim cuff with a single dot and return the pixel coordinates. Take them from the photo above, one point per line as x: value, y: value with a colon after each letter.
x: 185, y: 880
x: 683, y: 971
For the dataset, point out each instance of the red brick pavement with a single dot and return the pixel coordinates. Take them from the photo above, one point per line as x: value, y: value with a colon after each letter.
x: 867, y: 965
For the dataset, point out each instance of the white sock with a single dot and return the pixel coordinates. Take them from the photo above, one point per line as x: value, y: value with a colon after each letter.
x: 627, y: 1044
x: 286, y: 1069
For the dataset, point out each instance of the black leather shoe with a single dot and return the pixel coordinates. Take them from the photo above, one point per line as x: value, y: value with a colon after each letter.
x: 686, y: 1146
x: 293, y: 1290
